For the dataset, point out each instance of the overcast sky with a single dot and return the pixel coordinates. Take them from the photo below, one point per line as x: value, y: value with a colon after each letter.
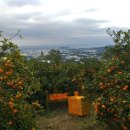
x: 63, y: 22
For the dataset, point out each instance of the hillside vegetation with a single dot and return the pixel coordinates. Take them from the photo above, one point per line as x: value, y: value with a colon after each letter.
x: 25, y: 85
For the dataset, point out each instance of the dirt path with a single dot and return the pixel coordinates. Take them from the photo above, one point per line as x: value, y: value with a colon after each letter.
x: 61, y: 120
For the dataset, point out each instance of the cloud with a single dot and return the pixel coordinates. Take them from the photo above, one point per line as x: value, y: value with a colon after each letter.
x: 40, y: 29
x: 21, y: 2
x: 79, y: 32
x: 63, y: 22
x: 91, y: 10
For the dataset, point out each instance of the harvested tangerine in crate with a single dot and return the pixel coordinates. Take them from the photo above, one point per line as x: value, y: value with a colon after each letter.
x: 58, y: 96
x: 76, y: 93
x: 77, y: 106
x: 52, y: 97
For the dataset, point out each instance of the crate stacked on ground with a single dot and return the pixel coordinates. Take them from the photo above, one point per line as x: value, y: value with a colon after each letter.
x: 77, y: 106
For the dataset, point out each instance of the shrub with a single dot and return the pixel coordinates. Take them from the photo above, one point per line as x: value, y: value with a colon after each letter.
x: 113, y: 82
x: 17, y: 83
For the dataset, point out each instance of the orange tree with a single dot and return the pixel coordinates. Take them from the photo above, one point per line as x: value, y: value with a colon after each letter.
x: 54, y: 77
x: 113, y: 84
x: 17, y: 83
x: 70, y: 69
x: 59, y: 76
x: 88, y: 70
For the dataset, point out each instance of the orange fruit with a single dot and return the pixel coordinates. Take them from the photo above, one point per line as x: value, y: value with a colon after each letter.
x: 11, y: 104
x: 5, y: 77
x: 109, y: 70
x: 101, y: 84
x: 10, y: 123
x: 20, y: 83
x: 8, y: 73
x: 18, y: 96
x: 1, y: 78
x: 103, y: 106
x: 99, y: 99
x: 119, y: 72
x: 124, y: 128
x: 125, y: 87
x: 111, y: 99
x: 15, y: 111
x: 1, y: 70
x: 10, y: 83
x: 123, y: 62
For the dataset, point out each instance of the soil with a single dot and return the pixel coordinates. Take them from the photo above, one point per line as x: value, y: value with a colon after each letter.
x: 60, y: 119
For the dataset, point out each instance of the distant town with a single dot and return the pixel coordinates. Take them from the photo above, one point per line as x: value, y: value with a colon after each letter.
x: 66, y: 52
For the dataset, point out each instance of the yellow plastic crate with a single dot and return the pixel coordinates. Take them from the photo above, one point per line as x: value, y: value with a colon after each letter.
x: 77, y: 106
